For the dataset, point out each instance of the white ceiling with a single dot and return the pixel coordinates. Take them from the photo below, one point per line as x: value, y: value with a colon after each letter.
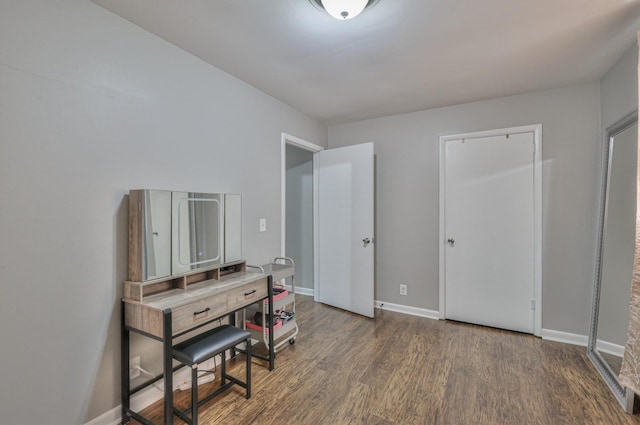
x: 398, y: 56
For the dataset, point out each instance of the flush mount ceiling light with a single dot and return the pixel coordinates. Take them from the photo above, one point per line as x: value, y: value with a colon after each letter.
x: 343, y: 9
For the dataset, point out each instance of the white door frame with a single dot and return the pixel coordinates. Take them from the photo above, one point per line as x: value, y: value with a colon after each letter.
x: 288, y: 139
x: 537, y: 206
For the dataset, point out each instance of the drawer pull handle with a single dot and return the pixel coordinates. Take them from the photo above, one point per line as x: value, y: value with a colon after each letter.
x: 249, y: 293
x: 195, y: 313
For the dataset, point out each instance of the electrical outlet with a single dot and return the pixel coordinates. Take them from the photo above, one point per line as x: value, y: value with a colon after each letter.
x: 134, y: 365
x: 403, y: 289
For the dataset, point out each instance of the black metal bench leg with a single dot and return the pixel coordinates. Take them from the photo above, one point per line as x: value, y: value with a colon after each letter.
x: 194, y: 395
x: 223, y: 367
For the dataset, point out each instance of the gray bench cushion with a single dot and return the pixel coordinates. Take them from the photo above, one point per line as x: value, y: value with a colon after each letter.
x: 208, y: 344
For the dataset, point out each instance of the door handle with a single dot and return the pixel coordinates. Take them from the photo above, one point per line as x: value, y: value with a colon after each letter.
x: 366, y: 241
x: 451, y: 242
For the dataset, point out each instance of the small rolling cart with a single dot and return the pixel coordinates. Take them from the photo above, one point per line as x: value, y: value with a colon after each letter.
x: 285, y: 327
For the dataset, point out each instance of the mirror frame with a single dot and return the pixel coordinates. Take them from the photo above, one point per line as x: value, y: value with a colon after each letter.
x: 624, y: 396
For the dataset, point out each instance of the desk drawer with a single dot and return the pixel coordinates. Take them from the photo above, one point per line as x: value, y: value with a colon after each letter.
x: 247, y: 294
x: 193, y: 314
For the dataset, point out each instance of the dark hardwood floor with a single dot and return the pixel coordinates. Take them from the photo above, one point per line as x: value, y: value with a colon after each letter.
x: 400, y: 369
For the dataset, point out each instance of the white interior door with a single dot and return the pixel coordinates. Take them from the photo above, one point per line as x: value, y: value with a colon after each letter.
x: 490, y: 231
x: 344, y: 228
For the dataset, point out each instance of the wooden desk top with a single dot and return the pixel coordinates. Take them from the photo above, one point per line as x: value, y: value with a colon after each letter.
x: 193, y: 299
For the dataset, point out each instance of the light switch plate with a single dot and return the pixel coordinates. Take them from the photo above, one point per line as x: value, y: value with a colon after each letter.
x: 263, y: 224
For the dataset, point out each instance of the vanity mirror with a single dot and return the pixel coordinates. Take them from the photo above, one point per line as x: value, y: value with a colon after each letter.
x: 614, y: 262
x: 175, y: 232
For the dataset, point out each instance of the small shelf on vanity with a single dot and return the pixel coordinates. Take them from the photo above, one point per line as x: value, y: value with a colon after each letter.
x: 139, y: 291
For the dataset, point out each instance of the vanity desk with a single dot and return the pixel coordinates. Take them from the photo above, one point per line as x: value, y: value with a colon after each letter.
x: 167, y: 308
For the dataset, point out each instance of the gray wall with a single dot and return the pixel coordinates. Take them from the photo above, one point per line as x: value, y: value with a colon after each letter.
x: 619, y: 88
x: 407, y: 149
x: 618, y: 97
x: 90, y: 107
x: 299, y: 231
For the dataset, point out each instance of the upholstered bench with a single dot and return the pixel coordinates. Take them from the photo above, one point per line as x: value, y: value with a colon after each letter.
x: 203, y: 347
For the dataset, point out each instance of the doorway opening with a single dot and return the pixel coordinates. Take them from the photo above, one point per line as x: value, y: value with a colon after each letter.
x: 298, y: 210
x: 341, y: 184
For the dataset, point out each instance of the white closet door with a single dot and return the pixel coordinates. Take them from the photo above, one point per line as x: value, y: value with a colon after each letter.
x: 489, y: 231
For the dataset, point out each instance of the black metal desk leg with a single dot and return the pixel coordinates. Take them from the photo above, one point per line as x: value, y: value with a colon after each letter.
x: 124, y: 367
x: 272, y: 351
x: 167, y: 348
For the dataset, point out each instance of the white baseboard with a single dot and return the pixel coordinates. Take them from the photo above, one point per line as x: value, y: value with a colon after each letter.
x: 149, y: 395
x: 139, y: 401
x: 300, y: 290
x: 610, y: 348
x: 547, y: 334
x: 414, y: 311
x: 112, y: 417
x: 566, y: 337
